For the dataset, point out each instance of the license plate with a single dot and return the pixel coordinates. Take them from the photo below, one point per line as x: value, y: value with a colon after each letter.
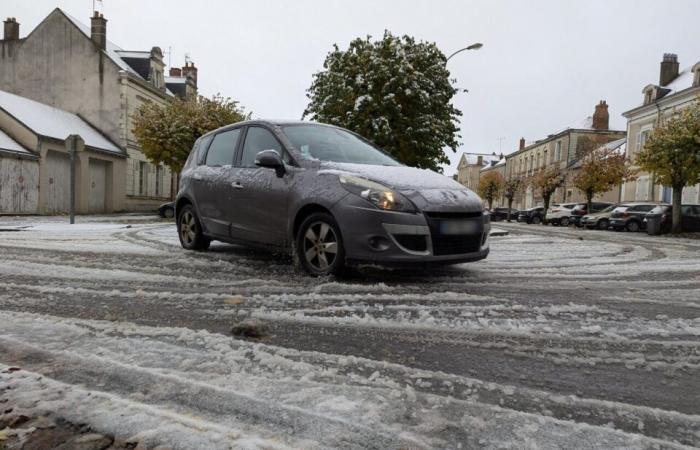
x: 458, y: 227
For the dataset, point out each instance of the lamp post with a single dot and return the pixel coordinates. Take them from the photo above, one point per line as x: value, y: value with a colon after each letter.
x: 475, y: 46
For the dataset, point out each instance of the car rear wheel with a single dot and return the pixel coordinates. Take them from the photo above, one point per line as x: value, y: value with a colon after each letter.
x: 603, y: 224
x: 169, y: 213
x: 320, y: 245
x: 537, y: 220
x: 633, y: 226
x: 189, y: 230
x: 564, y: 221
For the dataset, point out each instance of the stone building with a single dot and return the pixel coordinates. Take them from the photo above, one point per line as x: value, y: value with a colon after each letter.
x: 500, y: 167
x: 68, y: 65
x: 675, y: 90
x: 470, y: 164
x: 562, y: 149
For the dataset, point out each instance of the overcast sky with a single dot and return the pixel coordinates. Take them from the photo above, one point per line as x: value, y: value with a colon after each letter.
x: 543, y: 67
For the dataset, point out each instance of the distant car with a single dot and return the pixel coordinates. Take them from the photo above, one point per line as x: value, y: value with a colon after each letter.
x: 690, y: 217
x: 600, y: 219
x: 630, y: 217
x: 167, y: 210
x: 498, y: 214
x: 558, y: 214
x: 531, y: 215
x: 581, y: 210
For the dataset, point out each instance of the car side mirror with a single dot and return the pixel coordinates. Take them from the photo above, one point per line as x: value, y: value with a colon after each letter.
x: 272, y: 160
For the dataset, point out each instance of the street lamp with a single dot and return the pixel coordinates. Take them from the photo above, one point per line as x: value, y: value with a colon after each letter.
x: 475, y: 46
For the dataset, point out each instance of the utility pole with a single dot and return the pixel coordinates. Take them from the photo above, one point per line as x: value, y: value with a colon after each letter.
x: 73, y: 143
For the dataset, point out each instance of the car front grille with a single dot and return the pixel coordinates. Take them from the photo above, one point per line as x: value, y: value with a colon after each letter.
x: 454, y: 244
x: 437, y: 215
x: 413, y: 242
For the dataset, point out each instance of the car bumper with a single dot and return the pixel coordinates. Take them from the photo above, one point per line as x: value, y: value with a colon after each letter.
x: 376, y: 236
x: 617, y: 223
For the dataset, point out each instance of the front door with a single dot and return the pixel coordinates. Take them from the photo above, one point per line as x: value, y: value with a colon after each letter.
x: 212, y: 181
x: 261, y: 214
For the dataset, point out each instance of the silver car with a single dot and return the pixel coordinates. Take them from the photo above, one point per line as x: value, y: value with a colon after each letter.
x: 327, y: 195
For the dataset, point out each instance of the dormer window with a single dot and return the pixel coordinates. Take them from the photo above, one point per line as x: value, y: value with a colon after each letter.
x: 649, y: 94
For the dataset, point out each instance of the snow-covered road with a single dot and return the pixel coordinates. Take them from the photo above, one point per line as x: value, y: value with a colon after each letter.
x: 553, y: 342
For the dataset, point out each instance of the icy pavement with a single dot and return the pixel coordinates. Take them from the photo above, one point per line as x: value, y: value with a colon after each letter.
x: 553, y: 342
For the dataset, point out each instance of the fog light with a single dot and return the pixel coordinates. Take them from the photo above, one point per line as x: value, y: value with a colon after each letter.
x: 378, y: 243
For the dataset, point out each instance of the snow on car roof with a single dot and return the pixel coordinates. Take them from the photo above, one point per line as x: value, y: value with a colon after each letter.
x: 52, y: 122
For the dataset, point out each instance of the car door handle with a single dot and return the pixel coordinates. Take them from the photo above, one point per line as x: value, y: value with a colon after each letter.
x: 236, y: 185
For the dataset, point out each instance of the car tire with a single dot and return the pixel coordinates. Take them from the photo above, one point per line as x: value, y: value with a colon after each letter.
x: 319, y: 246
x: 169, y: 213
x: 564, y: 221
x: 537, y: 220
x: 189, y: 230
x: 632, y: 226
x: 603, y: 224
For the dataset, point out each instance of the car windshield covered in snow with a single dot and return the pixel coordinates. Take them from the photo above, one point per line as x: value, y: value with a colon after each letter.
x: 335, y: 145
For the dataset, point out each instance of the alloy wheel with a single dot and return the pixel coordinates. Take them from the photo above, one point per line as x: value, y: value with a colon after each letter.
x: 188, y: 228
x: 320, y: 246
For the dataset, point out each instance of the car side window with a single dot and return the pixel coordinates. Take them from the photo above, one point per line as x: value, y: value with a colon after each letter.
x: 258, y: 139
x: 644, y: 208
x: 222, y: 148
x: 201, y: 151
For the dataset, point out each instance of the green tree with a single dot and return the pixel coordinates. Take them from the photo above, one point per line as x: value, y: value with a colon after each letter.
x: 672, y: 155
x: 546, y: 182
x: 167, y: 133
x: 396, y: 92
x: 602, y: 169
x: 490, y: 187
x: 511, y: 188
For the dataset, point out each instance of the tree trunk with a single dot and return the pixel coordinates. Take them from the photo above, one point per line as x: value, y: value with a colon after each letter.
x: 510, y: 205
x: 589, y: 201
x: 677, y: 200
x: 546, y: 207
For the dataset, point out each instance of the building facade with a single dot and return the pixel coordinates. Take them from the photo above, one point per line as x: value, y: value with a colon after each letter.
x: 676, y: 90
x: 470, y: 165
x: 561, y: 150
x: 68, y: 65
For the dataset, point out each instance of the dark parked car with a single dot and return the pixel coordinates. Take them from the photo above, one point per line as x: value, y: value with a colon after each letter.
x: 498, y: 214
x: 581, y: 210
x: 630, y: 216
x: 167, y: 210
x: 325, y: 194
x: 531, y: 215
x: 690, y: 217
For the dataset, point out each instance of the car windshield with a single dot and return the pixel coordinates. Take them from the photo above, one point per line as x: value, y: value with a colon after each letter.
x: 609, y: 208
x: 660, y: 209
x: 318, y: 142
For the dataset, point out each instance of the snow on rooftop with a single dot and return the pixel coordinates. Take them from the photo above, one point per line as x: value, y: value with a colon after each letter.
x: 134, y: 54
x: 52, y: 122
x: 9, y: 144
x: 176, y: 80
x: 485, y: 159
x: 684, y: 80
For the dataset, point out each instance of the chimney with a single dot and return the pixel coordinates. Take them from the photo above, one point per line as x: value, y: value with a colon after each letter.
x: 669, y: 69
x: 522, y: 143
x: 11, y: 29
x: 190, y: 71
x: 175, y: 72
x: 601, y: 118
x: 98, y: 30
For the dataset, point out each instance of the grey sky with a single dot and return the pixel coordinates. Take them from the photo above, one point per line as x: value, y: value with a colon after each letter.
x: 543, y: 67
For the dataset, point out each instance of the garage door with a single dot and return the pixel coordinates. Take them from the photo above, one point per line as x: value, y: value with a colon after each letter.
x: 98, y: 175
x: 19, y: 186
x: 58, y: 190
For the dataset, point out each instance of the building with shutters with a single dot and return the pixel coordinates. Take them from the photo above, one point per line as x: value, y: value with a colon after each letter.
x: 71, y: 66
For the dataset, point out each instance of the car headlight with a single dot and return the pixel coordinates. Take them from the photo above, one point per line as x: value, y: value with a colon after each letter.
x: 379, y: 195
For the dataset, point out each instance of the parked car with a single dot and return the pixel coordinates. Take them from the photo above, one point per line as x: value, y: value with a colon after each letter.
x: 531, y: 215
x: 498, y: 214
x: 558, y: 214
x: 630, y: 217
x: 581, y: 210
x: 326, y: 194
x: 167, y: 210
x: 599, y: 220
x: 690, y: 217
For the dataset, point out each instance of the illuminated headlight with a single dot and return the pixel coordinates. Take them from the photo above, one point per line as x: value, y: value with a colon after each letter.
x: 379, y: 195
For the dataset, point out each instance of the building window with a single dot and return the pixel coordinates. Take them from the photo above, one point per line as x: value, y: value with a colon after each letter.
x: 545, y: 158
x: 642, y: 139
x: 159, y: 181
x: 142, y: 177
x: 557, y: 152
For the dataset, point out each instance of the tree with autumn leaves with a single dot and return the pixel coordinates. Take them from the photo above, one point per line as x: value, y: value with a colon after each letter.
x: 602, y: 169
x: 672, y: 155
x: 490, y: 187
x: 511, y: 188
x: 546, y: 182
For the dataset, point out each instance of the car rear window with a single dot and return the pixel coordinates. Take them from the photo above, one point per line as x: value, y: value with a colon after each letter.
x: 642, y: 208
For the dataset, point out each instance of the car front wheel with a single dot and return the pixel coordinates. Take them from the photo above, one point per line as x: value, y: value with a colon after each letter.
x: 603, y: 224
x: 633, y: 226
x: 536, y: 220
x: 320, y: 245
x: 564, y: 221
x: 189, y: 230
